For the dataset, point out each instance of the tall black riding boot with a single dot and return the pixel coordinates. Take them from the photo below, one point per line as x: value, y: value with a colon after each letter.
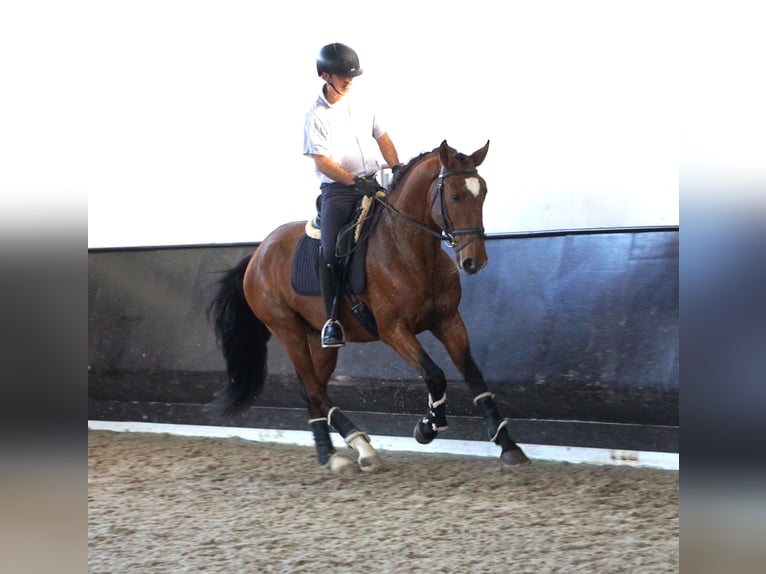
x: 329, y: 283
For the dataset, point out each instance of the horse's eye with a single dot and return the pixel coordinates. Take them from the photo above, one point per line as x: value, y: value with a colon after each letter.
x: 455, y: 197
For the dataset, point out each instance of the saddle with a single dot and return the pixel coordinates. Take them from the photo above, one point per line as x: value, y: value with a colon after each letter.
x: 305, y: 274
x: 305, y: 264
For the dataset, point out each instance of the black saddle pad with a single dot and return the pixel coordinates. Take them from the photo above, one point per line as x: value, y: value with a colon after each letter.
x: 305, y: 268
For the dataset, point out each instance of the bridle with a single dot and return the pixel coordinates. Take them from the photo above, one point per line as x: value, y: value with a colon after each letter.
x: 447, y: 232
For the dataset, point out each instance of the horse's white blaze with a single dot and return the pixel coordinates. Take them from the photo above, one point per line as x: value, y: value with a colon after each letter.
x: 472, y: 184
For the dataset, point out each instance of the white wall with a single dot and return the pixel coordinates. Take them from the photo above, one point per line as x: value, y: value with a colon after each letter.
x: 182, y: 121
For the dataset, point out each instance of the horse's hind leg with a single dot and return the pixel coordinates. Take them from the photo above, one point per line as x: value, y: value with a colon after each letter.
x: 291, y: 333
x: 324, y: 361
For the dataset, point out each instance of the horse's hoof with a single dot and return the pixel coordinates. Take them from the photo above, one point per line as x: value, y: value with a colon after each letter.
x: 513, y: 457
x: 368, y: 459
x: 424, y: 434
x: 339, y: 465
x: 371, y: 464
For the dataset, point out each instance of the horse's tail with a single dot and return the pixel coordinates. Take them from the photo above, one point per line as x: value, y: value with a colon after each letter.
x: 242, y: 338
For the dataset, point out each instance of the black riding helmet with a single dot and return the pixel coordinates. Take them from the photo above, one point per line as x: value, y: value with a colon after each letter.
x: 338, y: 59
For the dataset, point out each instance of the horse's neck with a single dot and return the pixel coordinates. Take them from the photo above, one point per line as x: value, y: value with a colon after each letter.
x: 404, y: 228
x: 413, y: 197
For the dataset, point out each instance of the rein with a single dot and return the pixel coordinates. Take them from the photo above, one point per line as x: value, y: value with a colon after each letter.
x: 447, y: 233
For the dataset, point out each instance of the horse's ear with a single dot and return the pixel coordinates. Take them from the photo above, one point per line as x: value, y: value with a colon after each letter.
x: 445, y: 152
x: 479, y: 155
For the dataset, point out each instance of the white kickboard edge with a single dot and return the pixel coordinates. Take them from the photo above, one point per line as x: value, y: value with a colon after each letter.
x: 571, y: 454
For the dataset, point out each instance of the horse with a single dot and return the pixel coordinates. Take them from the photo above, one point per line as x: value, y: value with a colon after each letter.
x: 412, y: 285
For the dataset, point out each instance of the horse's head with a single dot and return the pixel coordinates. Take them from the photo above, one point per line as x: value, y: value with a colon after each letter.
x: 457, y: 205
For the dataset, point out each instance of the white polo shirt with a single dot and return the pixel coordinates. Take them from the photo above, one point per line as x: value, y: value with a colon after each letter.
x: 345, y: 132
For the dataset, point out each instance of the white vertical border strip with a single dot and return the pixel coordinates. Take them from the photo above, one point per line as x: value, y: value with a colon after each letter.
x: 575, y: 455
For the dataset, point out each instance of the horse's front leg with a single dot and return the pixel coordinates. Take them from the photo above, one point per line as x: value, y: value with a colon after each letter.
x: 454, y: 337
x: 435, y: 419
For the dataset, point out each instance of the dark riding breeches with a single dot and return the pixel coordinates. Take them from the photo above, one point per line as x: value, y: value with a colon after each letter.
x: 338, y: 204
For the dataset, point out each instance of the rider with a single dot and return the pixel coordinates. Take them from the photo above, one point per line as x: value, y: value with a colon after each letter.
x: 338, y: 134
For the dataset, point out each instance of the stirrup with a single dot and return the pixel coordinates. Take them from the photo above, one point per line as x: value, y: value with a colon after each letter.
x: 332, y: 334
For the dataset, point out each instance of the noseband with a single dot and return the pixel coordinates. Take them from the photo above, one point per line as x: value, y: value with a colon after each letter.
x: 448, y: 233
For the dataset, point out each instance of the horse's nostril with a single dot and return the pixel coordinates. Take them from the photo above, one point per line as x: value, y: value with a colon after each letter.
x: 469, y: 266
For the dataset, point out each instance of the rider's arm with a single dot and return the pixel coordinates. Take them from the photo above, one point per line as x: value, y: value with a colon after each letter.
x: 332, y: 170
x: 388, y: 150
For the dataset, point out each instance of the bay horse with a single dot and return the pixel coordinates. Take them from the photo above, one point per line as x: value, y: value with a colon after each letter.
x: 412, y: 285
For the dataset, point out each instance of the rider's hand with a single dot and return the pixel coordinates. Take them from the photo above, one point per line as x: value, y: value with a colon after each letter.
x: 366, y: 185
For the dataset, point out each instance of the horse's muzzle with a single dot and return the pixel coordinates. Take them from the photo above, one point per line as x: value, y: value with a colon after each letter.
x: 470, y: 254
x: 471, y: 265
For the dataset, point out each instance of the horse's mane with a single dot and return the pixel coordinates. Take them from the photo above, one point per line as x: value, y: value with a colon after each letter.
x: 400, y: 173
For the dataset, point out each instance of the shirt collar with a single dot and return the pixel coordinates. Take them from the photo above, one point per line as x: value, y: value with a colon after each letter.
x: 325, y: 101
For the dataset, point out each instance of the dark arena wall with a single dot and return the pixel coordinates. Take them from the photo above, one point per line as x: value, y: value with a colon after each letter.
x: 575, y: 332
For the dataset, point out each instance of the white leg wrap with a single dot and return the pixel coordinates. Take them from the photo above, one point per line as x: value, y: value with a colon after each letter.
x: 441, y: 401
x: 477, y: 398
x: 431, y: 406
x: 500, y: 426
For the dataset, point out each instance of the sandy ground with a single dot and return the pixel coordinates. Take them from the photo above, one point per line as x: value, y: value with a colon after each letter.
x: 160, y: 503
